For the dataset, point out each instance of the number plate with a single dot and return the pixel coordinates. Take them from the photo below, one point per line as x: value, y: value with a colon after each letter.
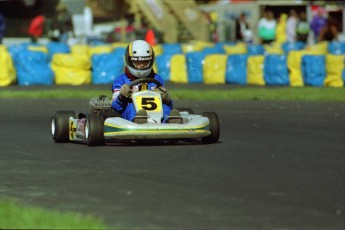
x: 150, y: 103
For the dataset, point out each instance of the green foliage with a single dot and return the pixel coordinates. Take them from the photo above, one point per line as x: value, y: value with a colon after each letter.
x: 14, y: 216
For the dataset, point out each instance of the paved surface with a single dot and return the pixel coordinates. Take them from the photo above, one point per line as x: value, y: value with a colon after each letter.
x: 278, y: 165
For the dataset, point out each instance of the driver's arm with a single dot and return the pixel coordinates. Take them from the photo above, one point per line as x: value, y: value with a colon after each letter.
x: 118, y: 101
x: 164, y: 95
x: 163, y: 91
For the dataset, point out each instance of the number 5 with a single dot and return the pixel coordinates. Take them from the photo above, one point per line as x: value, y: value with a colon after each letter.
x: 148, y: 103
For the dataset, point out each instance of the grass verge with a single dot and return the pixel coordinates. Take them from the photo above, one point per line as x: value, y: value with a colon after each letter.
x: 245, y: 93
x: 14, y: 216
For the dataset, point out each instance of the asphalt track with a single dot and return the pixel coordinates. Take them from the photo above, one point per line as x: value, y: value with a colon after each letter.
x: 278, y: 165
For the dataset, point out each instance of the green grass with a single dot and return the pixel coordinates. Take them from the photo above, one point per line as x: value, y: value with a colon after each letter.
x: 14, y: 216
x: 244, y: 93
x: 266, y: 93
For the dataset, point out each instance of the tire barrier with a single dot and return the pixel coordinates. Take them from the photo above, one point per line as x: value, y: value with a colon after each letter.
x: 287, y: 64
x: 236, y: 69
x: 334, y: 70
x: 313, y: 70
x: 7, y: 70
x: 275, y: 70
x: 106, y: 67
x: 255, y: 70
x: 32, y: 68
x: 71, y: 69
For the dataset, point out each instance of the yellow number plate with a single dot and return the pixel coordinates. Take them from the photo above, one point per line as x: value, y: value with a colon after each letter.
x: 149, y: 103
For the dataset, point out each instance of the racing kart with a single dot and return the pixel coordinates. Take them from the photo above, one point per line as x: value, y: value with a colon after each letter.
x: 103, y: 124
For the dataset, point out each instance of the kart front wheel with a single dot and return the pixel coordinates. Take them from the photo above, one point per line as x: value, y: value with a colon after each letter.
x: 94, y: 132
x: 214, y: 128
x: 60, y: 125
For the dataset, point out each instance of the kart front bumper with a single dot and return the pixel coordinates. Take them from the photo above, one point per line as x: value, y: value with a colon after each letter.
x: 118, y: 128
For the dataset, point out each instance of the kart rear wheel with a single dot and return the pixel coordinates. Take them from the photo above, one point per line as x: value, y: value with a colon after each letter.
x: 189, y: 110
x: 60, y: 125
x: 214, y: 128
x: 94, y: 132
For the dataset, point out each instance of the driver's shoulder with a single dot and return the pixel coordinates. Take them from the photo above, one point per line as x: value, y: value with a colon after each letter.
x: 159, y: 78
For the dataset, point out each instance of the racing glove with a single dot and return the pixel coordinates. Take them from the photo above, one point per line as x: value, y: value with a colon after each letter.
x: 125, y: 93
x: 164, y: 94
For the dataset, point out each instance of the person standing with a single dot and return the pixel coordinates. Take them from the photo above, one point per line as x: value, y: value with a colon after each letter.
x: 281, y: 29
x: 243, y: 33
x: 2, y: 27
x: 36, y: 28
x: 62, y: 24
x: 329, y: 32
x: 318, y: 22
x: 302, y: 28
x: 291, y: 26
x: 267, y: 28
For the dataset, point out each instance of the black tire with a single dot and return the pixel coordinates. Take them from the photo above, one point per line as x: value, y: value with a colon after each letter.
x: 214, y: 128
x: 94, y: 131
x: 60, y: 125
x: 189, y: 110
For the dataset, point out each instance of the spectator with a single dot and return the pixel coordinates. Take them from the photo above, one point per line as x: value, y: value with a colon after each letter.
x: 212, y: 18
x: 36, y: 28
x: 243, y: 33
x: 302, y: 28
x: 124, y: 32
x: 2, y: 27
x: 281, y: 29
x: 62, y: 25
x: 291, y: 26
x: 329, y: 32
x: 318, y: 22
x: 267, y: 28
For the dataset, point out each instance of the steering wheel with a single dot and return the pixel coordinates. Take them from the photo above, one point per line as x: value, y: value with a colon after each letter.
x: 144, y: 80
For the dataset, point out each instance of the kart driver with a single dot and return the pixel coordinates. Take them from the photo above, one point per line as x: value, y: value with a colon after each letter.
x: 139, y: 58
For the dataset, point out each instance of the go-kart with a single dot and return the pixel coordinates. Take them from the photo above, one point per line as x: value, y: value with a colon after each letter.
x: 103, y: 124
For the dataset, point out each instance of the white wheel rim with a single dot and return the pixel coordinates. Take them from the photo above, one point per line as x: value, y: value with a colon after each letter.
x: 87, y: 130
x: 53, y: 127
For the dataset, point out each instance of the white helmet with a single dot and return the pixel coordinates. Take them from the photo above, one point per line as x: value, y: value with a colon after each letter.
x: 139, y: 50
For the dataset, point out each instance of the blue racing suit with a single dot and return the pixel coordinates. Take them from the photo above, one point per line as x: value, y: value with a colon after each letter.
x: 127, y: 108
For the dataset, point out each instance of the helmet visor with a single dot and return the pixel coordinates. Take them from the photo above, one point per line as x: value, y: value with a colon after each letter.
x: 141, y: 64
